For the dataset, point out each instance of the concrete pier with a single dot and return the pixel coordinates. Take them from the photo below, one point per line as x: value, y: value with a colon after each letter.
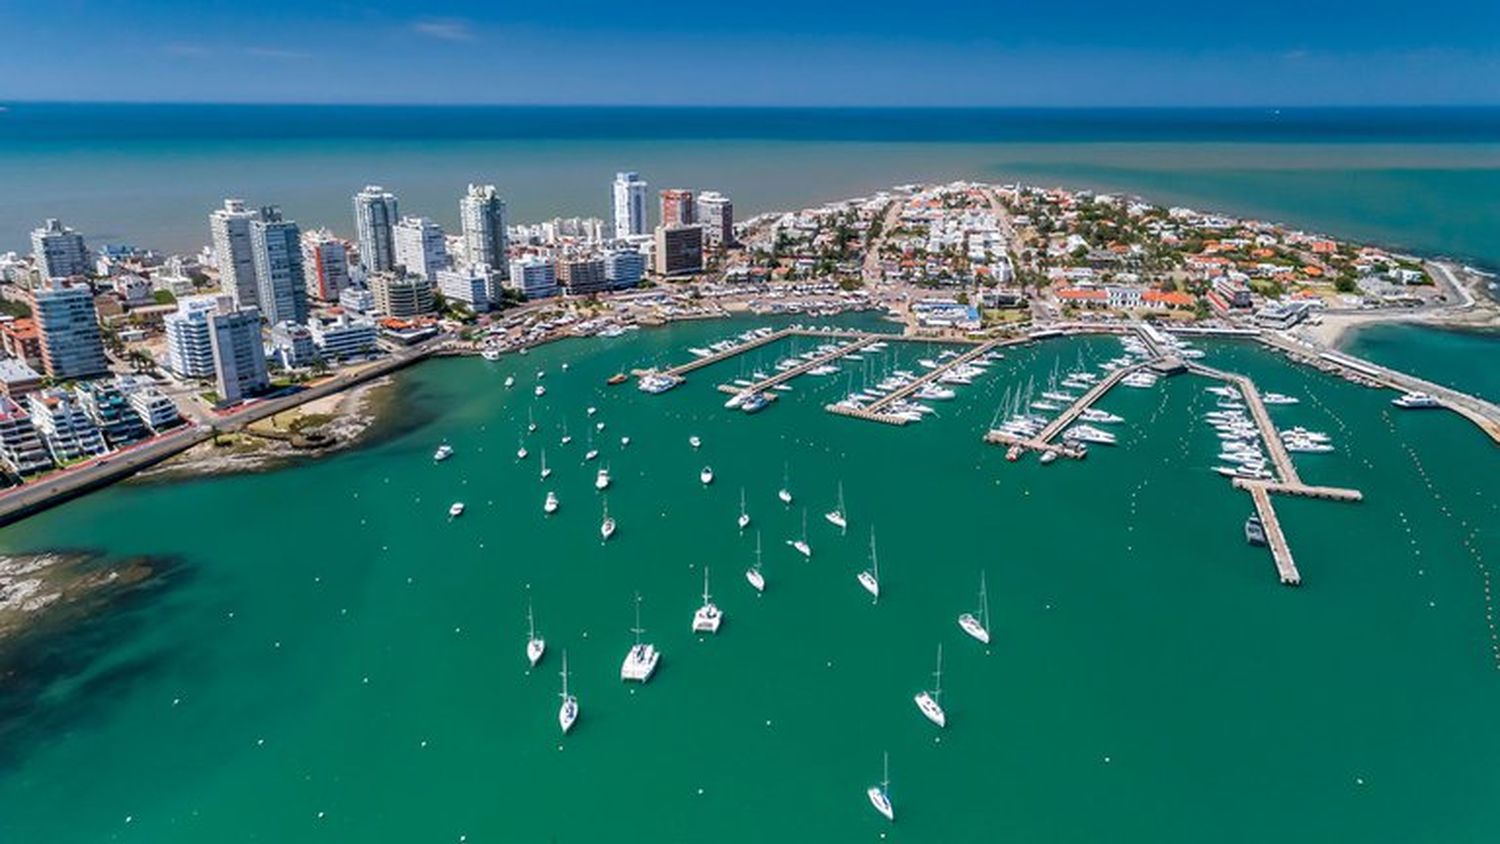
x: 1281, y: 553
x: 698, y: 363
x: 788, y: 374
x: 1286, y: 470
x: 879, y: 405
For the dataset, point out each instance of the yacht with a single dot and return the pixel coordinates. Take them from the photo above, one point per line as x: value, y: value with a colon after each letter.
x: 694, y: 441
x: 510, y: 381
x: 1416, y: 401
x: 601, y: 478
x: 836, y: 515
x: 1048, y: 456
x: 880, y: 795
x: 753, y: 574
x: 545, y: 471
x: 870, y: 578
x: 1255, y: 531
x: 568, y: 712
x: 539, y: 391
x: 550, y: 505
x: 754, y: 402
x: 1090, y: 434
x: 927, y: 701
x: 1278, y: 398
x: 707, y: 475
x: 744, y: 519
x: 978, y: 625
x: 784, y: 493
x: 1103, y: 417
x: 708, y: 617
x: 536, y: 646
x: 640, y: 662
x: 656, y: 382
x: 801, y: 544
x: 444, y: 451
x: 456, y: 510
x: 607, y: 527
x: 591, y: 454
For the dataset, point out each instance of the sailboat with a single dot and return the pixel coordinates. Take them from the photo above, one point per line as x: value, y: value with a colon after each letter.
x: 530, y: 423
x: 801, y: 544
x: 545, y: 470
x: 880, y: 795
x: 566, y: 437
x: 592, y: 452
x: 568, y: 712
x: 607, y: 527
x: 510, y: 381
x: 870, y: 578
x: 708, y: 617
x: 744, y: 520
x: 601, y: 479
x: 550, y: 505
x: 521, y: 452
x: 927, y: 702
x: 535, y: 645
x: 978, y: 627
x: 784, y: 494
x: 836, y: 516
x: 640, y: 661
x: 706, y: 476
x: 753, y: 574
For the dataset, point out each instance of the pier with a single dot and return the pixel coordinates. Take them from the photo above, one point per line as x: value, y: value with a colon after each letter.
x: 1285, y: 469
x: 928, y: 377
x: 1043, y: 439
x: 739, y: 348
x: 1281, y: 552
x: 785, y: 375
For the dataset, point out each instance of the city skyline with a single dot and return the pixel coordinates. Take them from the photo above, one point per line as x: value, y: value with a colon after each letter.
x: 1338, y: 53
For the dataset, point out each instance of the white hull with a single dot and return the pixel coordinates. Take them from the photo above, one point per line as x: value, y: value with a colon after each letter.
x: 871, y: 585
x: 707, y: 619
x: 744, y: 521
x: 535, y: 649
x: 550, y: 505
x: 639, y: 664
x: 931, y: 710
x: 971, y: 626
x: 786, y: 497
x: 567, y: 714
x: 607, y: 529
x: 802, y: 547
x: 837, y: 520
x: 756, y: 579
x: 882, y: 803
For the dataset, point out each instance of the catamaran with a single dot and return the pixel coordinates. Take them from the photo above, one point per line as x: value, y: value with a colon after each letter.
x: 801, y: 544
x: 535, y: 645
x: 870, y: 578
x: 545, y: 470
x: 640, y: 661
x: 784, y: 494
x: 601, y: 479
x: 880, y: 795
x: 607, y: 527
x: 744, y: 520
x: 708, y: 617
x: 550, y: 505
x: 707, y: 475
x: 836, y: 515
x: 978, y: 626
x: 928, y: 701
x: 568, y: 712
x: 753, y: 574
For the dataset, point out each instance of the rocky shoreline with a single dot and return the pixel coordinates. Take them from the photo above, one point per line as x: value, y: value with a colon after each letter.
x: 40, y: 588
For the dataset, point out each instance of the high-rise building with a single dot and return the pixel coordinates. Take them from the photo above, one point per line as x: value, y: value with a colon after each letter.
x: 421, y: 247
x: 190, y: 351
x: 230, y: 228
x: 292, y: 344
x: 325, y: 264
x: 21, y: 448
x: 482, y: 214
x: 677, y: 208
x: 59, y: 251
x: 281, y: 287
x: 679, y: 250
x: 72, y: 346
x: 375, y: 219
x: 630, y: 205
x: 534, y: 276
x: 472, y: 285
x: 581, y: 276
x: 624, y: 267
x: 239, y: 356
x: 399, y: 294
x: 716, y: 214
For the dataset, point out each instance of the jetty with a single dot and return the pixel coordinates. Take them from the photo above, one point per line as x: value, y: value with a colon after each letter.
x: 739, y: 348
x: 1281, y: 552
x: 1043, y: 440
x: 875, y: 411
x: 788, y: 374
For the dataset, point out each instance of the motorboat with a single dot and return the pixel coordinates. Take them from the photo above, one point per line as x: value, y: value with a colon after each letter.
x: 443, y: 452
x: 706, y: 476
x: 1416, y: 401
x: 694, y: 441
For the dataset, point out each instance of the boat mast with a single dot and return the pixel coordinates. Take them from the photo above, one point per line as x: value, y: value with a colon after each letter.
x: 705, y: 584
x: 937, y: 691
x: 637, y: 628
x: 885, y: 775
x: 530, y: 622
x: 757, y: 550
x: 565, y: 675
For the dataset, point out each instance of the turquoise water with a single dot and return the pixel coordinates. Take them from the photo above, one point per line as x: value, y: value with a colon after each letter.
x: 1465, y: 360
x: 326, y: 641
x: 1424, y: 179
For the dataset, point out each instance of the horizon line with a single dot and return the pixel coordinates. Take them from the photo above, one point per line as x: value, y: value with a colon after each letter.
x: 763, y: 106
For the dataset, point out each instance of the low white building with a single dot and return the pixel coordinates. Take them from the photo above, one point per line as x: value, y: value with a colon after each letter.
x: 534, y: 276
x: 64, y: 426
x: 343, y: 337
x: 21, y: 447
x: 471, y: 285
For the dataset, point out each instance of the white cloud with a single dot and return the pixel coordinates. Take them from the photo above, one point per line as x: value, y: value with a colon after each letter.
x: 447, y: 29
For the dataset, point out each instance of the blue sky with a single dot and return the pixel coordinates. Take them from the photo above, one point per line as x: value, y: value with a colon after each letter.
x: 772, y: 52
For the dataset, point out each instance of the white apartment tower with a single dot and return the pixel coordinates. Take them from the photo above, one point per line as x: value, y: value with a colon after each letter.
x: 59, y: 251
x: 375, y: 219
x: 630, y: 205
x: 421, y: 247
x: 281, y: 288
x: 482, y: 214
x: 230, y: 228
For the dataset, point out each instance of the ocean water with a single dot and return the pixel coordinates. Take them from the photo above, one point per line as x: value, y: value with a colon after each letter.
x: 1464, y: 360
x: 1424, y: 179
x: 328, y: 657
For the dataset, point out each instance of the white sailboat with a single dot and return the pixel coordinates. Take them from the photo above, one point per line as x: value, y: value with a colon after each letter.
x: 456, y: 509
x: 744, y: 520
x: 836, y: 516
x: 978, y: 625
x: 706, y: 476
x: 640, y: 661
x: 607, y: 527
x: 753, y: 574
x: 545, y: 471
x: 592, y: 452
x: 510, y: 381
x: 536, y: 646
x: 521, y: 451
x: 801, y: 544
x: 928, y: 701
x: 694, y: 441
x: 601, y: 479
x: 566, y: 437
x: 550, y: 505
x: 568, y: 712
x: 880, y: 795
x: 784, y: 493
x: 708, y: 617
x: 870, y: 578
x: 530, y: 422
